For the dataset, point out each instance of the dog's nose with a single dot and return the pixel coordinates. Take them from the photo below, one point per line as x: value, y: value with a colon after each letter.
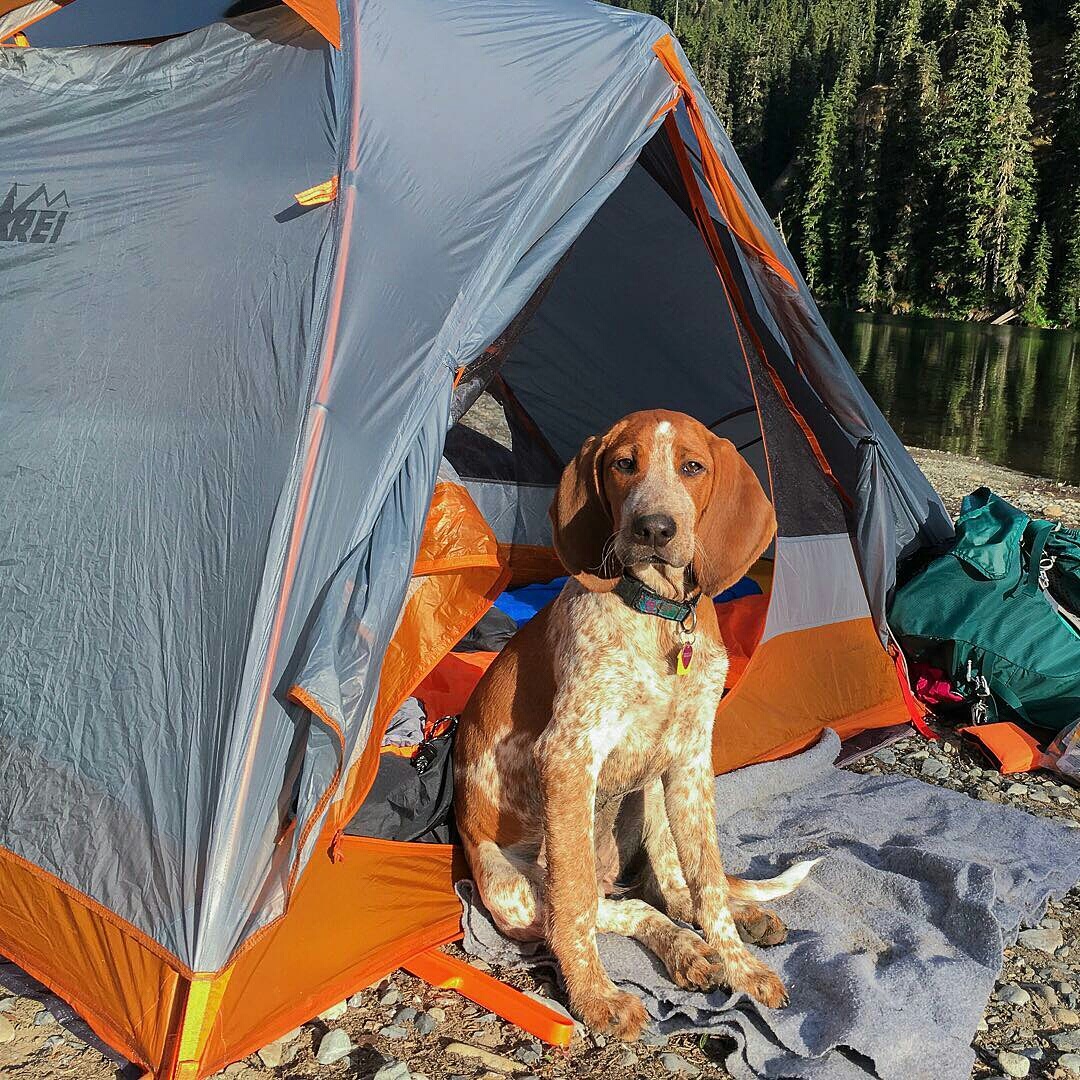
x: 655, y: 530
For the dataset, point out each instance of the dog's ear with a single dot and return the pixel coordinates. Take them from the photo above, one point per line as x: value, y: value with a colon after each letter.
x: 581, y: 520
x: 736, y: 525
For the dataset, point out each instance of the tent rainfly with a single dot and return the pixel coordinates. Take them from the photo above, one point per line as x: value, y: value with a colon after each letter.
x: 246, y: 511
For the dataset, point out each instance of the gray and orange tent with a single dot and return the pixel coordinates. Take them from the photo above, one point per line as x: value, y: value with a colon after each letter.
x: 254, y: 277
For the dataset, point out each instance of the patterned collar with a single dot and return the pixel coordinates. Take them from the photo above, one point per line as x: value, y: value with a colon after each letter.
x: 641, y: 598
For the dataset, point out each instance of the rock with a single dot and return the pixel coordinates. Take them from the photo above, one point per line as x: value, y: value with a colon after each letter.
x: 356, y: 1001
x: 333, y: 1046
x: 600, y: 1040
x: 1066, y: 1017
x: 1045, y: 939
x: 393, y: 1031
x: 52, y: 1042
x: 480, y: 965
x: 652, y: 1037
x: 934, y: 767
x: 335, y: 1012
x: 982, y: 1025
x: 438, y: 1014
x: 43, y: 1018
x: 886, y: 757
x: 527, y: 1055
x: 7, y: 1030
x: 1053, y: 510
x: 1070, y: 1063
x: 405, y: 1016
x: 1016, y: 789
x: 1012, y: 994
x: 679, y: 1065
x: 272, y: 1054
x: 390, y: 996
x: 1046, y: 994
x: 550, y: 1002
x: 393, y: 1070
x: 1067, y: 1040
x: 1065, y: 988
x: 426, y: 1023
x: 488, y: 1039
x: 626, y: 1058
x: 496, y: 1062
x: 291, y: 1036
x: 7, y: 1004
x: 1039, y: 797
x: 1013, y: 1064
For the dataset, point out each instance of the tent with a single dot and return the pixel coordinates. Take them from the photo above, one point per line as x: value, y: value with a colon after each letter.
x: 258, y: 281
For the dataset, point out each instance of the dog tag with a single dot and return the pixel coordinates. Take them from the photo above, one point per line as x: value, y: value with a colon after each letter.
x: 686, y: 654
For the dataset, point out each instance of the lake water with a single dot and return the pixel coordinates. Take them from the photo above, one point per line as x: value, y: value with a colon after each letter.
x: 1007, y: 394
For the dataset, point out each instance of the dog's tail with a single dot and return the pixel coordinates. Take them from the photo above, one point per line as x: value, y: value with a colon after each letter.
x: 771, y: 888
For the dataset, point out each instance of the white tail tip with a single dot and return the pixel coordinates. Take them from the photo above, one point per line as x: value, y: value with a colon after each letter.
x: 771, y: 888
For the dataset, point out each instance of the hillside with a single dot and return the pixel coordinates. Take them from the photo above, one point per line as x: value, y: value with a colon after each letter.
x: 919, y: 155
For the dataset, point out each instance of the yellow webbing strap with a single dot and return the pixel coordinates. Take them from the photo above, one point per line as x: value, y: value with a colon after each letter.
x: 319, y: 194
x: 204, y: 998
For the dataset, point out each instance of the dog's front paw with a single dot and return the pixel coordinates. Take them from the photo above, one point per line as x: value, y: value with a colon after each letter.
x: 614, y: 1013
x: 692, y: 963
x: 761, y: 983
x: 760, y: 927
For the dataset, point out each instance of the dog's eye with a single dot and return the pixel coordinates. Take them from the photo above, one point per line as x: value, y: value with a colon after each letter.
x: 692, y: 468
x: 624, y: 464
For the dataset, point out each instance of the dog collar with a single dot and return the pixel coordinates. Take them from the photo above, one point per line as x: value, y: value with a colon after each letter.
x: 641, y: 598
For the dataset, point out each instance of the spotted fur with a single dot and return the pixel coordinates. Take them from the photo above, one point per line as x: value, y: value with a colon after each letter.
x: 582, y: 753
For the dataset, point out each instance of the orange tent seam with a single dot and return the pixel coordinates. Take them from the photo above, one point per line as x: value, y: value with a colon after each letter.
x: 720, y: 182
x: 102, y: 912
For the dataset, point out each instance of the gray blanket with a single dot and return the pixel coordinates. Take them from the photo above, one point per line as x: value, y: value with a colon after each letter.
x: 895, y: 940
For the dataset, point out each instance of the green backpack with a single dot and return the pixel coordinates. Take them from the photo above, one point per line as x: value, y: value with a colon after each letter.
x: 995, y: 613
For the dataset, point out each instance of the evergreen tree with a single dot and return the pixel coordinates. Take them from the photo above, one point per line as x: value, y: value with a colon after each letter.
x: 908, y: 211
x: 965, y: 158
x: 1013, y: 207
x: 1065, y: 301
x: 1033, y: 313
x: 824, y: 237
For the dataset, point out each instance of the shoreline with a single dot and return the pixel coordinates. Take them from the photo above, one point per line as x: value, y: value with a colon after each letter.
x: 954, y: 475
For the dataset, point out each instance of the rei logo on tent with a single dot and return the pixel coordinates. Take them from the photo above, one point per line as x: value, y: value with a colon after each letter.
x: 31, y: 215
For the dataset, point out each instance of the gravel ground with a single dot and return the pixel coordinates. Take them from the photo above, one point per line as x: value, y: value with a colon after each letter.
x: 403, y: 1028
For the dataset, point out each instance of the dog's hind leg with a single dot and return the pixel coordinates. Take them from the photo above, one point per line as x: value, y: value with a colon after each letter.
x: 690, y: 962
x: 510, y: 888
x: 664, y: 885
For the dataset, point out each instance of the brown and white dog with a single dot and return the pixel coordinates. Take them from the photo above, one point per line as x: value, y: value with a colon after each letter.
x: 583, y: 753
